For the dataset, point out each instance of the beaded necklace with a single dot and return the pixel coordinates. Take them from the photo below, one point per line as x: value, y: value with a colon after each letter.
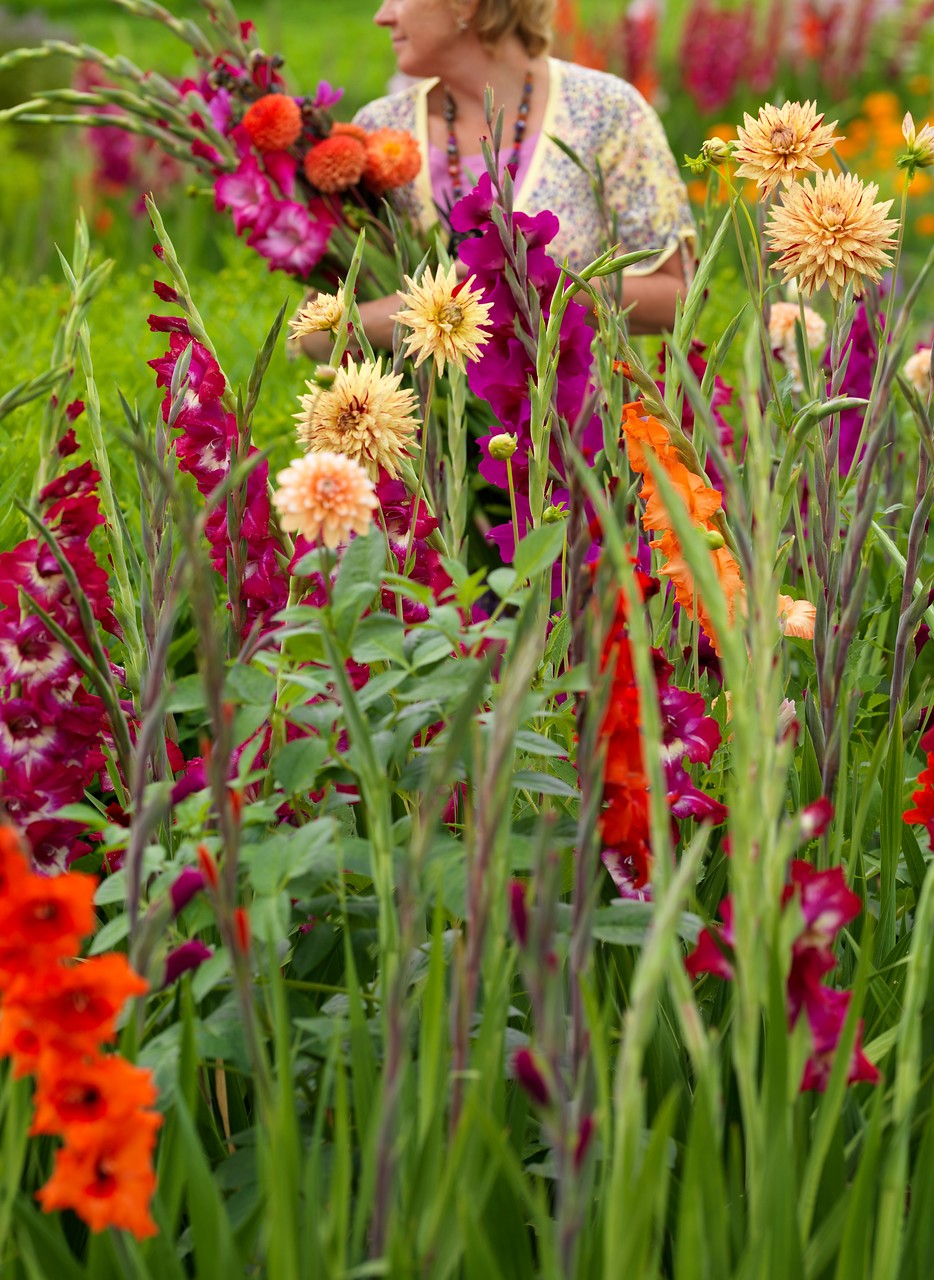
x: 453, y: 151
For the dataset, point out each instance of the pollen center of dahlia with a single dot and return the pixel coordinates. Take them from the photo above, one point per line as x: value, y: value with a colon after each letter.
x: 782, y: 138
x: 450, y: 315
x: 834, y: 217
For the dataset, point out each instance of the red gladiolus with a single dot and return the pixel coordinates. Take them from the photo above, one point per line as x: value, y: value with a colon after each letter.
x: 923, y: 811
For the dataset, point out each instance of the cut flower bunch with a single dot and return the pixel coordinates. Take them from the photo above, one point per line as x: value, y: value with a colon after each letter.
x: 540, y: 895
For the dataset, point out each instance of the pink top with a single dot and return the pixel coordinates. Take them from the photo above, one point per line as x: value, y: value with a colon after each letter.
x: 442, y: 188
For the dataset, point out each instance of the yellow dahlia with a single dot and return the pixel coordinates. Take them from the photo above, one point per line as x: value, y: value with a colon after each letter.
x: 783, y: 321
x: 318, y: 314
x: 917, y: 370
x: 783, y: 142
x: 325, y: 497
x: 831, y: 233
x: 363, y: 414
x: 445, y: 318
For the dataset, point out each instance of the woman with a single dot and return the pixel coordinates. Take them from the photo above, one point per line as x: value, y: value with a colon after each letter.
x: 455, y: 49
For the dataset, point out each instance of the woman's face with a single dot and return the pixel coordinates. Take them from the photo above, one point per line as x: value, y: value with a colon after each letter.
x: 423, y: 33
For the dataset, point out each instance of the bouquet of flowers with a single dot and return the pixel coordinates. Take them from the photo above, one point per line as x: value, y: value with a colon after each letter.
x: 297, y: 182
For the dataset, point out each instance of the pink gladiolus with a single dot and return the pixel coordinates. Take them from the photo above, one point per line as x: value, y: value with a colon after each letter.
x: 289, y: 239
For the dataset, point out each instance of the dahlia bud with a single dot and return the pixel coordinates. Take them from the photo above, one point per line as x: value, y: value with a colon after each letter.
x: 502, y: 446
x: 697, y: 164
x: 555, y: 514
x: 715, y: 151
x: 324, y: 376
x: 529, y: 1076
x: 920, y: 153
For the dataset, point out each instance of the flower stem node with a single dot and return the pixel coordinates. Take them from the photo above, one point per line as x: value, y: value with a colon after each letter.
x: 502, y: 446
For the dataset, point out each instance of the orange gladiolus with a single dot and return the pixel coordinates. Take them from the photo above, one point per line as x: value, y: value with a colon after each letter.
x: 107, y: 1179
x: 72, y: 1096
x: 644, y: 432
x: 43, y: 918
x: 76, y: 1005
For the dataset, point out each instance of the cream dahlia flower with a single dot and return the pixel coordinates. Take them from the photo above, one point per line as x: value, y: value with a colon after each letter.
x: 325, y: 497
x: 832, y: 233
x: 363, y: 414
x: 446, y: 319
x: 917, y: 370
x: 319, y: 314
x: 783, y: 320
x: 781, y: 143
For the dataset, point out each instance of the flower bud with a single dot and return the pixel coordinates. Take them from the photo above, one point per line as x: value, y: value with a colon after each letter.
x: 920, y: 153
x: 241, y: 931
x: 715, y: 539
x: 185, y: 958
x: 555, y: 514
x: 582, y: 1146
x: 530, y: 1077
x: 715, y: 151
x: 208, y: 865
x: 815, y: 818
x: 184, y: 887
x: 519, y: 912
x: 324, y: 376
x: 502, y: 446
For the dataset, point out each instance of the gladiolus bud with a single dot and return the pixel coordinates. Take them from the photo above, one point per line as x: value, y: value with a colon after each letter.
x: 519, y: 912
x: 184, y: 887
x: 715, y: 539
x: 208, y: 865
x: 815, y: 818
x: 584, y: 1135
x: 241, y: 931
x: 529, y: 1076
x: 502, y: 446
x: 185, y: 958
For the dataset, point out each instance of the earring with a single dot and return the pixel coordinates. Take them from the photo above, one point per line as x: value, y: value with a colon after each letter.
x: 462, y: 24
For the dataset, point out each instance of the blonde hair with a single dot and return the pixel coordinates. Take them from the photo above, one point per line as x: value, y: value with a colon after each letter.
x: 530, y: 20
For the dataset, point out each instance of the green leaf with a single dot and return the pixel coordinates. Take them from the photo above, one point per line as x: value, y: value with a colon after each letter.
x: 114, y: 931
x: 538, y: 550
x: 297, y: 765
x: 250, y: 685
x: 358, y: 578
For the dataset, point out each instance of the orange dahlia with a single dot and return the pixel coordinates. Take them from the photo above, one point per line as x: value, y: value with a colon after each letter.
x: 273, y: 122
x: 392, y: 159
x: 350, y: 130
x: 335, y: 163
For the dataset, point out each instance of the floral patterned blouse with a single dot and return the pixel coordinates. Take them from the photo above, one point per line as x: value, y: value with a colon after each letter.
x: 602, y: 118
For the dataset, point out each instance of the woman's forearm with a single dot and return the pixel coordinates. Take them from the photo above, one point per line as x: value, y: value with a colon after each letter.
x: 655, y: 297
x: 377, y: 326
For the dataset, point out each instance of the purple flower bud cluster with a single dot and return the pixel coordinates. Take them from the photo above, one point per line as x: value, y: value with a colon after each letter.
x: 52, y: 730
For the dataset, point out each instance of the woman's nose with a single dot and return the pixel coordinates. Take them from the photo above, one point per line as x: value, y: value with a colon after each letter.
x: 382, y: 17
